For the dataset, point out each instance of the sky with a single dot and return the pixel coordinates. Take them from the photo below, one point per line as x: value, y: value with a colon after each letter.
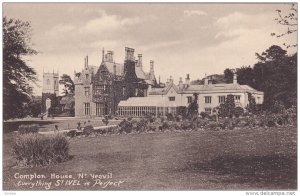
x: 181, y: 38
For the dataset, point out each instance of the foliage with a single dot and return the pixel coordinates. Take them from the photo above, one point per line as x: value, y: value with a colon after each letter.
x: 18, y: 77
x: 39, y: 150
x: 24, y: 129
x: 87, y: 130
x: 252, y: 104
x: 238, y: 111
x: 69, y: 86
x: 182, y: 111
x: 34, y: 107
x: 193, y: 106
x: 290, y: 20
x: 228, y: 76
x: 227, y: 109
x: 141, y: 125
x: 105, y: 120
x: 125, y: 126
x: 275, y: 74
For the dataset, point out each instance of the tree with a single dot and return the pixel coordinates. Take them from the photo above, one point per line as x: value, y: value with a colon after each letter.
x: 227, y: 109
x: 18, y: 77
x: 276, y: 75
x: 68, y: 83
x: 252, y: 103
x: 228, y: 76
x: 289, y: 20
x: 193, y: 107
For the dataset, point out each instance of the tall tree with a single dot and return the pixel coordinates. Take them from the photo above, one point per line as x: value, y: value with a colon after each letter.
x: 276, y: 75
x: 68, y: 83
x: 228, y: 76
x: 18, y: 77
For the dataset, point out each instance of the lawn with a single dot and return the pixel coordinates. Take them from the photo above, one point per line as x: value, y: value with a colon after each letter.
x: 202, y: 160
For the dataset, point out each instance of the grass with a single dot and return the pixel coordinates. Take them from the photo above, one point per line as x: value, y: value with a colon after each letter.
x: 208, y: 160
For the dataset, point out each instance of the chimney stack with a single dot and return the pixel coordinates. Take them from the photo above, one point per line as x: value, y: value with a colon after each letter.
x: 234, y: 78
x: 109, y: 56
x: 151, y: 66
x: 129, y: 54
x: 140, y: 60
x: 171, y: 79
x: 187, y: 80
x: 180, y: 83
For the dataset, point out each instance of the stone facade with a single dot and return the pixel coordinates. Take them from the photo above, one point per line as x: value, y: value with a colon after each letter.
x: 99, y: 90
x: 50, y: 89
x: 209, y: 96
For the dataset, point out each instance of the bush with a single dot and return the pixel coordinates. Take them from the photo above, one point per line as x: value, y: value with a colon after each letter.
x: 71, y: 133
x: 125, y: 126
x: 238, y: 111
x: 187, y: 125
x: 23, y: 129
x: 170, y: 117
x: 39, y: 150
x: 88, y: 130
x: 141, y: 126
x: 105, y: 120
x: 164, y: 126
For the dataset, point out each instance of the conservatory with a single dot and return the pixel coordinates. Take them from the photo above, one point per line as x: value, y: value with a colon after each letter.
x: 146, y: 106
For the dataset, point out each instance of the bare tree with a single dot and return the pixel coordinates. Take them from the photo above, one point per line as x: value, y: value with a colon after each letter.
x: 290, y: 20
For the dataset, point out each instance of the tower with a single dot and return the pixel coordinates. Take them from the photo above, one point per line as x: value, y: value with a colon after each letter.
x: 50, y: 91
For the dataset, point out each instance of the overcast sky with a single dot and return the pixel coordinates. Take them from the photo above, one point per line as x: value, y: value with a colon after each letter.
x: 182, y: 38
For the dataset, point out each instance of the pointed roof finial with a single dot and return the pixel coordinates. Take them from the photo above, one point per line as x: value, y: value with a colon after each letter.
x: 103, y: 54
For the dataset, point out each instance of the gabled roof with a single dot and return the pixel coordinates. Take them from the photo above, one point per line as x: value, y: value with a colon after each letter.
x: 205, y: 89
x: 219, y: 88
x: 140, y: 73
x: 163, y: 91
x: 110, y: 68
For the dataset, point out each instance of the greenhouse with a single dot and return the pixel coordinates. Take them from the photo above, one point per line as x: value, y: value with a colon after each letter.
x: 146, y: 106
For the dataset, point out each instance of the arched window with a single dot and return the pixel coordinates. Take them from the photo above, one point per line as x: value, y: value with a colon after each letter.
x: 48, y: 82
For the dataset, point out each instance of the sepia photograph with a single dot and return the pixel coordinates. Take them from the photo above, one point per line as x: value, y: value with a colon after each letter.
x: 150, y: 97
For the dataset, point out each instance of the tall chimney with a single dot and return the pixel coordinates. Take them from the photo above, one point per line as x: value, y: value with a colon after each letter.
x: 187, y: 80
x: 140, y: 60
x: 180, y: 83
x: 234, y: 78
x: 129, y: 54
x: 206, y: 81
x: 171, y: 79
x: 110, y: 56
x: 151, y: 66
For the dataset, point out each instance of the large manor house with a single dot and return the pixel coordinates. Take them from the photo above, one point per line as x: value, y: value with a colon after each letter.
x: 125, y: 89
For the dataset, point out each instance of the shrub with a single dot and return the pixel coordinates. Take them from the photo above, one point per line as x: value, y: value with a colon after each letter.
x: 271, y: 123
x: 141, y: 126
x: 105, y: 120
x: 170, y: 117
x: 125, y: 126
x: 39, y: 150
x: 178, y: 118
x: 88, y: 130
x: 23, y: 129
x: 71, y: 133
x: 238, y: 111
x: 187, y: 125
x: 164, y: 126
